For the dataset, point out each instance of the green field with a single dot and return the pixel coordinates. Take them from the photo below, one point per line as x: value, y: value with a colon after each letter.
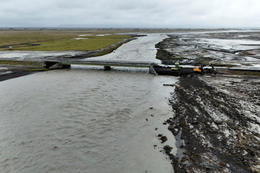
x: 57, y: 40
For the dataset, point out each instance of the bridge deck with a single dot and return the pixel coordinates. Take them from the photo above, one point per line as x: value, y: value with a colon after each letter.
x: 88, y: 62
x: 109, y: 63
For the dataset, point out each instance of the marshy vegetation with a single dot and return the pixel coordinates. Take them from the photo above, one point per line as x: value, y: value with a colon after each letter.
x: 57, y: 40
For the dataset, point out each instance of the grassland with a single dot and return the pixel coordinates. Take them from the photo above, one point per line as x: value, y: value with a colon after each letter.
x: 23, y: 63
x: 58, y: 40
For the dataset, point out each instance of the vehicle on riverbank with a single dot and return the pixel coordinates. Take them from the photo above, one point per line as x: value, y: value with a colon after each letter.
x: 183, y: 70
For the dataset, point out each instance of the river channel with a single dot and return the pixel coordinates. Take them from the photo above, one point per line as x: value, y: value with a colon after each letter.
x: 85, y: 120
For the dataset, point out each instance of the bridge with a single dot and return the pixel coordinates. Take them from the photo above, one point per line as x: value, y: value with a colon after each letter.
x: 62, y: 63
x: 57, y: 63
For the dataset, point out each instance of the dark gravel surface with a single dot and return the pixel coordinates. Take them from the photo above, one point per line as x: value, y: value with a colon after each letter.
x: 14, y: 74
x: 216, y: 124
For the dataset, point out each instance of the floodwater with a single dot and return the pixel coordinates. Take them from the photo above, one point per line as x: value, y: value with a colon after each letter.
x: 36, y: 54
x: 130, y: 52
x: 239, y: 47
x: 234, y: 44
x: 86, y: 121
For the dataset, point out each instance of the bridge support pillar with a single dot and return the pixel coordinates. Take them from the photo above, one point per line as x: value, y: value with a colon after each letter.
x: 107, y: 68
x: 152, y: 70
x: 55, y: 65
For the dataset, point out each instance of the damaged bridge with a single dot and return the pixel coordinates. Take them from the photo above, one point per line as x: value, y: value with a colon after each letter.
x: 57, y: 63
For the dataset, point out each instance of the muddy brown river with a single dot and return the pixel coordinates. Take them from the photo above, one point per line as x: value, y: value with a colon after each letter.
x: 86, y: 120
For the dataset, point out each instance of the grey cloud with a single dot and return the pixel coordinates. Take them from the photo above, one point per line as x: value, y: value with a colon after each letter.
x: 134, y: 13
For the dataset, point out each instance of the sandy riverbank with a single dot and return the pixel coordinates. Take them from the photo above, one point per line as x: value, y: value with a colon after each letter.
x: 230, y: 48
x: 216, y: 119
x: 217, y: 124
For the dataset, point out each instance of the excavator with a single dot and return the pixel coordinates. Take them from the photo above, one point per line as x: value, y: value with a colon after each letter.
x: 183, y: 70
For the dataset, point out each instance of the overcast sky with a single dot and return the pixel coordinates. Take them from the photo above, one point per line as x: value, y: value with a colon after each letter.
x: 130, y: 13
